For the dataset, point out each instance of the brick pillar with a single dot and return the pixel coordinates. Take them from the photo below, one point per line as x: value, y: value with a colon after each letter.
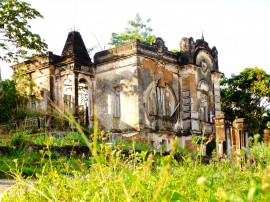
x: 266, y: 135
x: 223, y: 140
x: 240, y: 133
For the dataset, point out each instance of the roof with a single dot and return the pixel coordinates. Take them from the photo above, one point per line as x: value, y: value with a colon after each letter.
x: 74, y: 47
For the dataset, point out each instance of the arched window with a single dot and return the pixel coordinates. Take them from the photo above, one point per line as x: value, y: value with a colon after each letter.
x: 205, y: 102
x: 83, y: 92
x: 161, y: 101
x: 204, y: 107
x: 83, y: 101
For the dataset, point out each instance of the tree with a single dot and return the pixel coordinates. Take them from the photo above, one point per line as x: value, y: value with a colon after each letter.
x: 247, y: 95
x: 11, y: 102
x: 137, y: 30
x: 14, y: 96
x: 16, y: 39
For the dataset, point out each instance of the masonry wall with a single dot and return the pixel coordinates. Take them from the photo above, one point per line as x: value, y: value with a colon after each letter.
x: 200, y: 99
x: 39, y: 71
x: 158, y: 110
x: 41, y: 90
x: 117, y: 86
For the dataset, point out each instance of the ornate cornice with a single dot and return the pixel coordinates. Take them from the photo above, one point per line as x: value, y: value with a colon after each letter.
x: 157, y: 50
x: 190, y: 49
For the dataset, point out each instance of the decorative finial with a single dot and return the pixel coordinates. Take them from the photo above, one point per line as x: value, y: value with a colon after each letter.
x: 74, y: 29
x: 202, y: 36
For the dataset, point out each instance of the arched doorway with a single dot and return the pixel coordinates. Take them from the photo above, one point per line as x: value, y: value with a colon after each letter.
x: 83, y: 102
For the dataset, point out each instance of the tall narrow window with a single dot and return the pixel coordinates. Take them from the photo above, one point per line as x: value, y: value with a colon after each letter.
x: 205, y: 101
x: 151, y: 103
x: 83, y: 101
x: 204, y: 108
x: 117, y: 107
x: 67, y: 94
x: 160, y: 101
x: 168, y: 104
x: 67, y: 101
x: 33, y: 105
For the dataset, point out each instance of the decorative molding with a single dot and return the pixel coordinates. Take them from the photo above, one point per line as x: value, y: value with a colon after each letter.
x: 159, y: 46
x: 157, y: 50
x: 204, y: 86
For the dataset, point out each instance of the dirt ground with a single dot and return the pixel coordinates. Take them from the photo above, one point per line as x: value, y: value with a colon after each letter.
x: 4, y: 186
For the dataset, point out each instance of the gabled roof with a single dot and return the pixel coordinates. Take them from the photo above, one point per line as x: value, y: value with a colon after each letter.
x: 74, y: 47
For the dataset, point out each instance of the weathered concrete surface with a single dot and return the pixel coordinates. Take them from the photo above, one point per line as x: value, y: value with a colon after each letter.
x: 6, y: 184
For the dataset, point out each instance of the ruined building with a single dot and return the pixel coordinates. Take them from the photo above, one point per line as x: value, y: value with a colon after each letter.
x: 134, y: 89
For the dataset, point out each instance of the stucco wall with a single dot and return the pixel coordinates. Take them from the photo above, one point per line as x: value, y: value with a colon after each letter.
x: 117, y: 76
x: 155, y: 74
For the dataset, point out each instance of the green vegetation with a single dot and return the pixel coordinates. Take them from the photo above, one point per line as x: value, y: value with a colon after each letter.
x: 247, y: 95
x: 14, y: 95
x: 29, y: 163
x: 16, y: 38
x: 9, y: 100
x: 109, y: 175
x: 137, y: 30
x: 58, y: 139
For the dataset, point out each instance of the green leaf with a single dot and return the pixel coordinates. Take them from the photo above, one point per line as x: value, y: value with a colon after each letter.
x: 135, y: 180
x: 137, y: 30
x: 16, y: 35
x: 176, y: 196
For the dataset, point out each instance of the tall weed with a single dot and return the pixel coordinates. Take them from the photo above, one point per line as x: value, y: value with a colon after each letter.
x: 143, y: 176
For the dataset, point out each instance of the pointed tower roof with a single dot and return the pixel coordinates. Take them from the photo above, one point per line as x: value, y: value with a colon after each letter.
x: 74, y: 47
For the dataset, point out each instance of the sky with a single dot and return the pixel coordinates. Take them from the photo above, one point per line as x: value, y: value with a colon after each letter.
x: 240, y: 29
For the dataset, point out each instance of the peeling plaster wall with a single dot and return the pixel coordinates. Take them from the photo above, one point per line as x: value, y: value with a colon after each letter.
x: 118, y: 75
x: 39, y: 71
x: 152, y: 74
x: 201, y: 98
x: 41, y: 79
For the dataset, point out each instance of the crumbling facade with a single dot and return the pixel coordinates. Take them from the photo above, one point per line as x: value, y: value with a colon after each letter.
x: 134, y: 89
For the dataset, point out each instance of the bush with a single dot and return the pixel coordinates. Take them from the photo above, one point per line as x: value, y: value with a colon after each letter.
x: 260, y: 154
x: 18, y: 138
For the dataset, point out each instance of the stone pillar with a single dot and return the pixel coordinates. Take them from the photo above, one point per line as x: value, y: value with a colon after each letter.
x: 52, y: 84
x: 240, y: 133
x: 266, y: 135
x: 223, y: 139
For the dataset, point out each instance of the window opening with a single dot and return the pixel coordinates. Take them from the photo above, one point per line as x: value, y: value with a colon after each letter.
x: 117, y: 107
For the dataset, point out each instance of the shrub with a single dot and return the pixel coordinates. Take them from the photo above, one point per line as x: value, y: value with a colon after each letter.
x: 260, y: 154
x: 19, y: 138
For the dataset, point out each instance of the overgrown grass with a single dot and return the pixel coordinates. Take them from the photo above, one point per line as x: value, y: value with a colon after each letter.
x: 55, y: 138
x: 111, y: 176
x: 108, y: 175
x: 30, y: 163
